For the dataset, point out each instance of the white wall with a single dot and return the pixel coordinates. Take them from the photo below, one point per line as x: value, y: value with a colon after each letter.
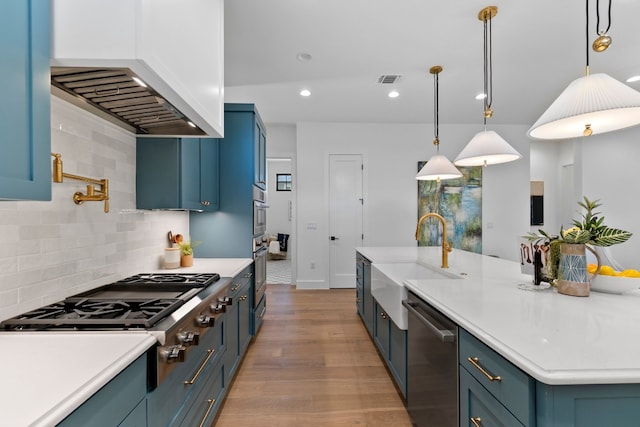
x: 55, y: 249
x: 610, y: 172
x: 278, y: 215
x: 390, y: 153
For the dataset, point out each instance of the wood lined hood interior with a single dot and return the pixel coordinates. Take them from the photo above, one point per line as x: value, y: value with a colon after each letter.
x: 112, y: 93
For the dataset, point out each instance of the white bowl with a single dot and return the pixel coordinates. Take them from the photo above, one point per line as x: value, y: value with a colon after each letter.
x: 614, y: 284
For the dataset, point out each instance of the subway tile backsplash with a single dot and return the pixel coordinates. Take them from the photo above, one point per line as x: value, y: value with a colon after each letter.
x: 54, y: 249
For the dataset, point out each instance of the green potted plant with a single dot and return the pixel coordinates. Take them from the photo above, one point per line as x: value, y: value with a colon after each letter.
x: 186, y: 252
x: 567, y: 256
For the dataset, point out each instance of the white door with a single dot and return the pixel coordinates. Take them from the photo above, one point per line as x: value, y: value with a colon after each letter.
x: 345, y: 217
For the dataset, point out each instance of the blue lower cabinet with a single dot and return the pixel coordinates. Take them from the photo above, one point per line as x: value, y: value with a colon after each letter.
x: 238, y: 327
x: 479, y: 408
x: 208, y: 400
x: 118, y: 401
x: 611, y: 405
x: 392, y: 345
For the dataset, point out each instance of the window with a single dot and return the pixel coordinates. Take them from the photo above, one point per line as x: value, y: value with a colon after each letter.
x: 283, y: 182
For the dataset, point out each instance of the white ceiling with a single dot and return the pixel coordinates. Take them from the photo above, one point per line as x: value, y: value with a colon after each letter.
x: 538, y: 48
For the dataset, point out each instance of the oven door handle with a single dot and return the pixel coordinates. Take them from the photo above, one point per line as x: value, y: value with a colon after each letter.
x: 261, y: 251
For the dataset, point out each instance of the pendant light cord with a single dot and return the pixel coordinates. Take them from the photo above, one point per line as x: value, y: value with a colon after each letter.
x: 436, y: 119
x: 598, y: 18
x: 488, y: 67
x: 587, y: 35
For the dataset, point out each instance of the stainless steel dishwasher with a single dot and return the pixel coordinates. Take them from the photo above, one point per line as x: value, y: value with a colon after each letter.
x: 432, y: 383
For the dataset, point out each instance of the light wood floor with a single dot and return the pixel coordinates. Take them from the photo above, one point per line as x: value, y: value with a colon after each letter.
x: 312, y: 364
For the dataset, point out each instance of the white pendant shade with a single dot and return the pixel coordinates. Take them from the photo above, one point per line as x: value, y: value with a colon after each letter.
x: 437, y: 168
x: 597, y: 100
x: 486, y: 148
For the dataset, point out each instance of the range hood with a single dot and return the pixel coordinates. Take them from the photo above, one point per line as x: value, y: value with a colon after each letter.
x: 176, y: 47
x: 117, y: 93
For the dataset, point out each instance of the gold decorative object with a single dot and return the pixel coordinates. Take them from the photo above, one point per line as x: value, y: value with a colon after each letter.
x: 93, y: 195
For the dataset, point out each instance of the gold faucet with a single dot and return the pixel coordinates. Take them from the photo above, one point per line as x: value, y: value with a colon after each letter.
x: 92, y: 195
x: 446, y: 246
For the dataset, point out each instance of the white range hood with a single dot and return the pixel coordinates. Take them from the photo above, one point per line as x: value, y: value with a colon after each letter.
x: 175, y: 46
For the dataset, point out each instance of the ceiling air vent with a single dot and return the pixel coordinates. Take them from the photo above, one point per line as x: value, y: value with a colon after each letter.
x: 389, y: 78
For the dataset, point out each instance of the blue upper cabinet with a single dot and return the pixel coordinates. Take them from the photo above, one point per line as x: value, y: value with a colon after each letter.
x: 229, y: 232
x: 255, y: 133
x: 25, y: 167
x: 177, y: 173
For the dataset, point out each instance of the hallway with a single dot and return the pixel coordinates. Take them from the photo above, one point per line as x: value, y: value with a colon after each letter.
x: 312, y: 364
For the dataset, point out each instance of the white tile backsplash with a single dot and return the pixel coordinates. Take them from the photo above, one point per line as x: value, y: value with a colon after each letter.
x: 55, y: 249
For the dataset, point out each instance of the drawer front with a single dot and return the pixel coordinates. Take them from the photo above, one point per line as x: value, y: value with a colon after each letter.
x: 479, y: 408
x: 240, y: 281
x: 514, y: 388
x: 203, y: 409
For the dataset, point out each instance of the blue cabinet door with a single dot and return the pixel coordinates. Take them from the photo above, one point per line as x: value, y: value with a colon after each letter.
x: 209, y: 175
x: 177, y: 173
x: 228, y: 233
x: 398, y: 356
x: 245, y: 304
x: 25, y: 163
x: 381, y: 330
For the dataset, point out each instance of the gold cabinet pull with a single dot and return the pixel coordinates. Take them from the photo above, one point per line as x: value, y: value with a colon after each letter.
x: 475, y: 362
x: 211, y: 402
x: 476, y: 421
x: 211, y: 351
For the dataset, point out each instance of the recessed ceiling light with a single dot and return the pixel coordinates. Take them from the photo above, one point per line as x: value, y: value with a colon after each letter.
x: 305, y: 92
x: 139, y: 81
x: 633, y: 79
x: 481, y: 96
x: 190, y: 123
x: 303, y: 57
x: 394, y: 94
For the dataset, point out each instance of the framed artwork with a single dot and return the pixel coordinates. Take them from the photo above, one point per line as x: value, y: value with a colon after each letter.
x: 459, y: 201
x: 283, y: 182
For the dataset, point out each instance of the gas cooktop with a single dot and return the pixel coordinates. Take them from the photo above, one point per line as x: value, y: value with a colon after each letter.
x: 136, y: 302
x: 188, y: 279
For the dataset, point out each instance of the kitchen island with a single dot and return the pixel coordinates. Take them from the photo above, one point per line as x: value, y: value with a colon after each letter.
x: 50, y: 374
x: 580, y: 354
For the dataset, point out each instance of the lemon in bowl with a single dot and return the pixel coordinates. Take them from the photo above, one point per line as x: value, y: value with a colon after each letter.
x: 614, y: 282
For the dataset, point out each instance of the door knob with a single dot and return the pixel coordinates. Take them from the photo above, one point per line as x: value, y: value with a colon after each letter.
x: 333, y: 238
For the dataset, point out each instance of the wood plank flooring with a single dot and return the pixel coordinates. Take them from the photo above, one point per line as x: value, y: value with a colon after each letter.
x: 314, y: 365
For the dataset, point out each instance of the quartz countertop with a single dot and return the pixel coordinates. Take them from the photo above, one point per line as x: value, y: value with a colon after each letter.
x: 557, y: 339
x: 225, y: 267
x: 46, y: 376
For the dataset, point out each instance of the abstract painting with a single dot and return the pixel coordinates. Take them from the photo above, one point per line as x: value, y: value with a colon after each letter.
x: 459, y: 201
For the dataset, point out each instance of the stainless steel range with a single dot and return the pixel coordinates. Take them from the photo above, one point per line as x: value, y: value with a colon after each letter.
x: 177, y: 308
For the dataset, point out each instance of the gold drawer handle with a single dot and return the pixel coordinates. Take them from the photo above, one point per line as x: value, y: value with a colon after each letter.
x: 195, y: 377
x: 474, y: 361
x: 211, y: 402
x: 476, y: 421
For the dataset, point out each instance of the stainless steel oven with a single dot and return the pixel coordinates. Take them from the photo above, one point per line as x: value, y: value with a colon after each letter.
x: 259, y: 212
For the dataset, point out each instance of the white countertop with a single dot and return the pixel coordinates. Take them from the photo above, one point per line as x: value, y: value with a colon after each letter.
x: 555, y: 338
x: 46, y: 376
x: 225, y: 267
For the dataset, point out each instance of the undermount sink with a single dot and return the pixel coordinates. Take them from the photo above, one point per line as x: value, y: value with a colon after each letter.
x: 388, y: 289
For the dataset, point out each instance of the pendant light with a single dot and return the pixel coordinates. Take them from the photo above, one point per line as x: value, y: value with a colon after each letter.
x: 487, y: 147
x: 438, y: 167
x: 592, y: 104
